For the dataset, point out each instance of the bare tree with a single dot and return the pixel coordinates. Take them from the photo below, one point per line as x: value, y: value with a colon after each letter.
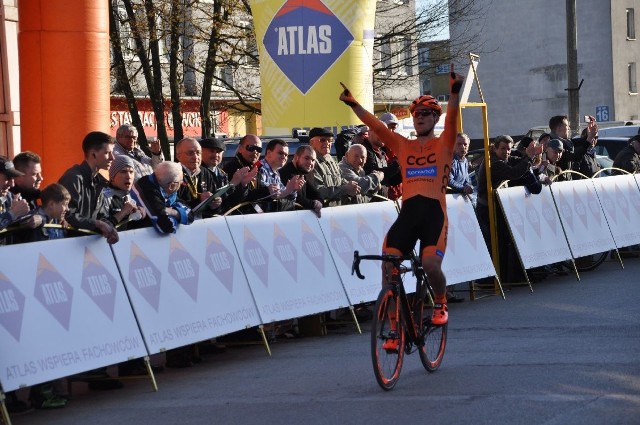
x: 119, y: 69
x: 394, y: 46
x: 208, y: 49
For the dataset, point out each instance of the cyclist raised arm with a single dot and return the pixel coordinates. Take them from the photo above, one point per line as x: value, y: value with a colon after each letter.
x: 425, y: 163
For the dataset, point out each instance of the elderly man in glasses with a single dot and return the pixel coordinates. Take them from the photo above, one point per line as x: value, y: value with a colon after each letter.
x: 326, y: 176
x: 158, y: 194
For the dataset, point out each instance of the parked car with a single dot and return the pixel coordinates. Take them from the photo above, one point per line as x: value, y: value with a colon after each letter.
x: 621, y: 131
x: 611, y: 146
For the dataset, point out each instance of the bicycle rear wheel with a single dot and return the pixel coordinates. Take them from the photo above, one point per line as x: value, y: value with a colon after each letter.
x: 387, y: 339
x: 590, y: 262
x: 434, y: 337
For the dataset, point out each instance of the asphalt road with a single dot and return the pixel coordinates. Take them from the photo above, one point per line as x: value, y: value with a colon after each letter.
x: 568, y: 353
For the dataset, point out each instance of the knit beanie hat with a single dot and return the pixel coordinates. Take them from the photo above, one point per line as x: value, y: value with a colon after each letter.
x: 118, y: 163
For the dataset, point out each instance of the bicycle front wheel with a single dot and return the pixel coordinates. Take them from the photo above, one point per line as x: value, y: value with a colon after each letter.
x: 387, y: 339
x: 433, y: 336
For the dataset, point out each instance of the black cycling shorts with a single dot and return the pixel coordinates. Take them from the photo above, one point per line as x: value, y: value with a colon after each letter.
x: 420, y: 219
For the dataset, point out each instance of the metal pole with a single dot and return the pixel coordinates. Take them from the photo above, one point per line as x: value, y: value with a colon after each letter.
x: 572, y: 67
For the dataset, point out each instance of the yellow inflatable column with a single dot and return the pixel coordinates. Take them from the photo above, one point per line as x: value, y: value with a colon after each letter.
x: 306, y: 48
x: 64, y: 78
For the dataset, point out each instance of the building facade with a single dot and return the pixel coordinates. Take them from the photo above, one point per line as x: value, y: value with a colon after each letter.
x: 10, y: 92
x: 237, y: 70
x: 523, y: 72
x: 394, y: 87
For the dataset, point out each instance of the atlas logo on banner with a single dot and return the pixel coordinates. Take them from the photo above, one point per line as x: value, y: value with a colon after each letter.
x: 313, y: 248
x: 220, y: 261
x: 11, y: 307
x: 145, y: 276
x: 341, y: 242
x: 304, y: 39
x: 183, y: 268
x: 285, y: 252
x: 256, y: 256
x: 98, y: 284
x: 53, y: 292
x: 366, y: 236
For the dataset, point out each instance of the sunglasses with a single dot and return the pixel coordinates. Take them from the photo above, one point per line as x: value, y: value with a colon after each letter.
x: 325, y: 140
x: 423, y: 113
x: 254, y: 148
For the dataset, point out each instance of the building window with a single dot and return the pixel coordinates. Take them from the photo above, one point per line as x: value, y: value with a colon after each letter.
x: 386, y: 55
x: 423, y: 57
x: 224, y: 77
x: 408, y: 68
x: 633, y: 87
x: 426, y: 86
x: 631, y: 25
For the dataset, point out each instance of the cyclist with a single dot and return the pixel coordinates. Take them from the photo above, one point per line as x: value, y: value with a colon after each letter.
x: 426, y: 164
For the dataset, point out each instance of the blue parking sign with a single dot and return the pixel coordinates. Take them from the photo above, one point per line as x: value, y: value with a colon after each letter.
x: 602, y: 113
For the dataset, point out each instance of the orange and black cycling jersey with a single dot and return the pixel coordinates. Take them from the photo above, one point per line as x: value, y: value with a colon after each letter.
x: 425, y: 164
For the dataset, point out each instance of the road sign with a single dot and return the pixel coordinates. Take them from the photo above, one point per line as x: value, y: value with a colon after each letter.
x: 602, y: 113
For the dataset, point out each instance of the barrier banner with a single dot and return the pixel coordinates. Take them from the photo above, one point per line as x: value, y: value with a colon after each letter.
x: 185, y: 287
x: 362, y: 228
x: 535, y: 226
x: 620, y: 200
x: 466, y: 257
x: 63, y: 311
x: 306, y: 48
x: 582, y: 217
x: 287, y: 264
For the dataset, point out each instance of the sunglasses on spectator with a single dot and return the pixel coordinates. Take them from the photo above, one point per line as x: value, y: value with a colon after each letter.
x: 423, y: 113
x: 254, y: 148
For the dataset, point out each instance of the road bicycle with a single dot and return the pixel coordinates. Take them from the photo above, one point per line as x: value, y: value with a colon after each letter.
x: 402, y: 323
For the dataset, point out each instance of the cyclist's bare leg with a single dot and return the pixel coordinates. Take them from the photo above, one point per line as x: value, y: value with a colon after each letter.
x: 387, y: 272
x: 387, y: 266
x: 432, y: 266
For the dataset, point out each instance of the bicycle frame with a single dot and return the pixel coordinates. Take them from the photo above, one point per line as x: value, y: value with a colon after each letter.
x: 410, y: 324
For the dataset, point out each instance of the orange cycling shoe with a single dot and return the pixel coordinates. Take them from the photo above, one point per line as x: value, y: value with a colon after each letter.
x: 391, y: 344
x: 440, y: 314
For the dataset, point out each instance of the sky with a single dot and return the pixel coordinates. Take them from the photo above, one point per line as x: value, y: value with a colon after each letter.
x: 442, y: 35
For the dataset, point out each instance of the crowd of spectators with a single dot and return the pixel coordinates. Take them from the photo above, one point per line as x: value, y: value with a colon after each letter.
x: 144, y: 190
